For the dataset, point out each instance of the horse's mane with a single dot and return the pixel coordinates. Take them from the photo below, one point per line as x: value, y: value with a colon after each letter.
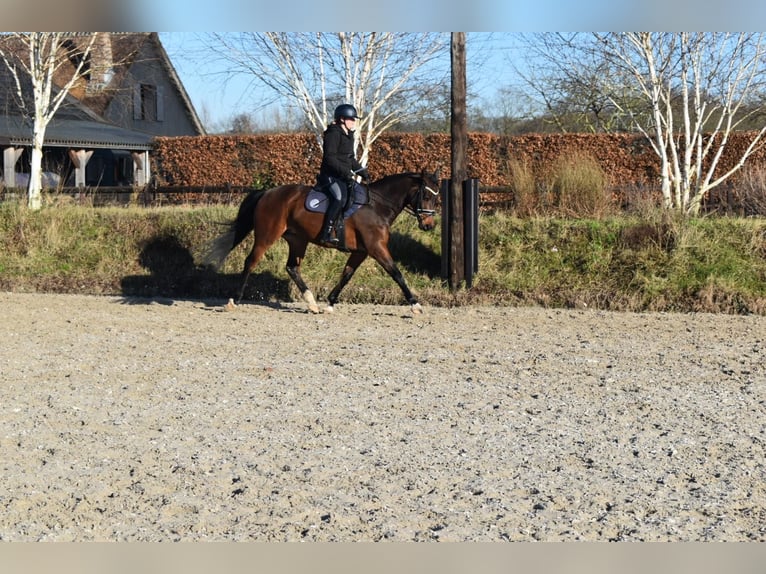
x: 377, y: 195
x: 388, y: 178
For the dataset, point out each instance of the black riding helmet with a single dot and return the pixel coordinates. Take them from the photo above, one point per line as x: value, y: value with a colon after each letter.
x: 345, y: 111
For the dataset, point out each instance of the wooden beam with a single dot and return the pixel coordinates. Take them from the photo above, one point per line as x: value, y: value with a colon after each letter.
x: 459, y: 145
x: 79, y: 159
x: 10, y: 156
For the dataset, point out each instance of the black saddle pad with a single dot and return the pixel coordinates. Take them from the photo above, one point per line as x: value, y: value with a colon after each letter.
x: 317, y: 201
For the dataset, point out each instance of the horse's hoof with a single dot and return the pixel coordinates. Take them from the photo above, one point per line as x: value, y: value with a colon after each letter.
x: 308, y: 296
x: 417, y: 309
x: 230, y: 306
x: 329, y: 309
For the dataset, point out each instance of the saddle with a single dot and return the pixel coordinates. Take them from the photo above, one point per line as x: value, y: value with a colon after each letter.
x: 317, y: 201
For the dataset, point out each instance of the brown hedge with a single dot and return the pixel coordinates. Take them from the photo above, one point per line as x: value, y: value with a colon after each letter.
x: 265, y: 160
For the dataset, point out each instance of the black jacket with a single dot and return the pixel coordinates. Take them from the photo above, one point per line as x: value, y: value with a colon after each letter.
x: 338, y: 153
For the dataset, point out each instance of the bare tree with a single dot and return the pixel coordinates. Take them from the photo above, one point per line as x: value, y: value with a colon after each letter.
x: 566, y: 82
x: 686, y: 92
x: 34, y: 60
x: 383, y: 74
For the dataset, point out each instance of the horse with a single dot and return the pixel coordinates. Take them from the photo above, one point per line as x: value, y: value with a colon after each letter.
x: 285, y: 212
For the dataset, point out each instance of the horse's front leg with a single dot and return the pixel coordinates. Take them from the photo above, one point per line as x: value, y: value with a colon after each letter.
x: 294, y: 258
x: 352, y: 264
x: 383, y: 256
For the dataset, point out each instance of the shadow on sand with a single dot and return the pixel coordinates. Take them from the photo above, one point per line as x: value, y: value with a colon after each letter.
x: 173, y: 274
x: 412, y: 256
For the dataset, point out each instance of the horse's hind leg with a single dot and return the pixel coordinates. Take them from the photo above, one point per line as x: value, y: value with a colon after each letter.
x: 251, y: 262
x: 294, y: 259
x: 268, y: 228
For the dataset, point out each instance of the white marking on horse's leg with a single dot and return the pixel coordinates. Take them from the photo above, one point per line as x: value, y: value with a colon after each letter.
x: 416, y: 309
x: 329, y: 309
x: 308, y: 296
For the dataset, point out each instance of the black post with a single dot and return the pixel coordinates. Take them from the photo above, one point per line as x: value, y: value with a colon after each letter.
x: 446, y: 197
x: 471, y: 223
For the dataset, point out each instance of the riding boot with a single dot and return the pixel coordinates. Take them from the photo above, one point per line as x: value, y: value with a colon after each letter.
x: 326, y: 236
x: 340, y: 234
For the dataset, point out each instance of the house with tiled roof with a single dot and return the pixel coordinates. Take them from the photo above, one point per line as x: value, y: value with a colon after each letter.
x: 129, y: 94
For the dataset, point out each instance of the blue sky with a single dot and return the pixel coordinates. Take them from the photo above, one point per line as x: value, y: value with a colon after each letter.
x: 217, y: 102
x: 176, y: 20
x: 438, y: 15
x: 394, y: 15
x: 171, y: 17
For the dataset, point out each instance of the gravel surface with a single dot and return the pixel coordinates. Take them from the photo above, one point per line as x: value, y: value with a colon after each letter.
x: 157, y: 420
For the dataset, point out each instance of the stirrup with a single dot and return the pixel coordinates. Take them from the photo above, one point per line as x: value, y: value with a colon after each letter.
x: 329, y: 238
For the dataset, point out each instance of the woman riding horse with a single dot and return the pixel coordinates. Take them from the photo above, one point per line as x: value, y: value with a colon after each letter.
x: 339, y: 168
x: 282, y: 212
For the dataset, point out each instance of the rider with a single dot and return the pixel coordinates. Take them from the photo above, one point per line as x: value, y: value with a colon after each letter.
x: 339, y: 165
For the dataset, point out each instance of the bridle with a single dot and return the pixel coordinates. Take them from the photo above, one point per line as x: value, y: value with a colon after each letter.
x: 415, y: 206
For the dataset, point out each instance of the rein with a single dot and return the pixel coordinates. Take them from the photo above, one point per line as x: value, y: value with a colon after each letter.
x: 415, y: 205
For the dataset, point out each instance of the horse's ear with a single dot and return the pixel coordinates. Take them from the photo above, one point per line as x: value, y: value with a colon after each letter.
x: 437, y: 173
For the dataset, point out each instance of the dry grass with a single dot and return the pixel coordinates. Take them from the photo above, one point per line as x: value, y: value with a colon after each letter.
x: 580, y: 188
x: 573, y: 186
x: 753, y: 191
x: 655, y: 262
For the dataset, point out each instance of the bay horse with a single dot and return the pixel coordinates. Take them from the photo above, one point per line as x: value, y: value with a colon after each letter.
x: 282, y: 212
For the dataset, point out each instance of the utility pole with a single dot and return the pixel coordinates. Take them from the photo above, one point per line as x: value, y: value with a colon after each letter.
x: 459, y: 132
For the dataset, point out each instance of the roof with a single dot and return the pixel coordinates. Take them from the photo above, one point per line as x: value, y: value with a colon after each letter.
x: 176, y: 80
x: 125, y: 48
x: 80, y: 120
x: 75, y: 133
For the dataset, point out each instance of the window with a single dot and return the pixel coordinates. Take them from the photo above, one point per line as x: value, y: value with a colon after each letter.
x: 147, y: 103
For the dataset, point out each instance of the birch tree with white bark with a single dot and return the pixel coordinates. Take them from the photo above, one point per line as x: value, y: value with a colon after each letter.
x: 686, y: 92
x: 33, y: 68
x: 386, y: 76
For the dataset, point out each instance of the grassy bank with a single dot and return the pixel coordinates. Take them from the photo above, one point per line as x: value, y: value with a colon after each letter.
x: 653, y: 263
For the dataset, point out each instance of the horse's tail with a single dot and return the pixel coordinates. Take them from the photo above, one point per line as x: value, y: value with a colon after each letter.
x: 215, y: 252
